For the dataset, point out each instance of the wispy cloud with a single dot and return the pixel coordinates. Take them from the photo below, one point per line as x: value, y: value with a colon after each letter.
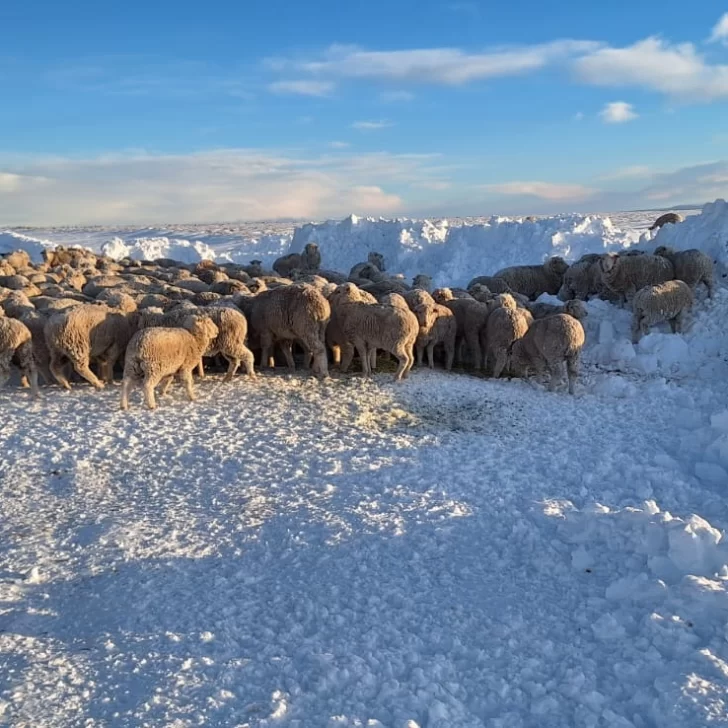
x: 302, y: 87
x: 339, y: 145
x: 396, y: 96
x: 371, y: 125
x: 579, y: 116
x: 720, y: 30
x: 618, y: 112
x: 678, y: 71
x: 225, y: 184
x: 444, y: 66
x: 633, y: 172
x: 543, y: 190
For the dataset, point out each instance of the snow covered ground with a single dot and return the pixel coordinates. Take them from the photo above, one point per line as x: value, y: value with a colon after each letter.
x: 451, y: 551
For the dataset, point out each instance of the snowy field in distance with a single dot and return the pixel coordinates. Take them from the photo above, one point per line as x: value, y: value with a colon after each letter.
x: 451, y: 552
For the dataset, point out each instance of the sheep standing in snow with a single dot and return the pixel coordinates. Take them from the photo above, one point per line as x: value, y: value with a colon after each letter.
x: 548, y: 344
x: 533, y: 280
x: 625, y: 275
x: 505, y: 325
x: 668, y: 218
x: 670, y: 301
x: 493, y: 284
x: 437, y: 326
x: 287, y: 314
x: 369, y: 327
x: 470, y: 317
x: 691, y: 266
x: 583, y: 279
x: 157, y: 355
x: 89, y: 331
x: 16, y: 345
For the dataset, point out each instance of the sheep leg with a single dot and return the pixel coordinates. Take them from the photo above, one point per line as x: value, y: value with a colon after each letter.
x: 473, y: 342
x: 347, y: 356
x: 126, y: 384
x: 372, y: 360
x: 149, y: 385
x: 636, y: 329
x: 83, y: 369
x: 709, y: 285
x: 58, y: 370
x: 266, y: 344
x: 409, y: 351
x: 186, y: 377
x: 201, y: 369
x: 420, y: 348
x: 430, y: 355
x: 501, y: 359
x: 287, y: 347
x: 165, y: 384
x: 233, y: 365
x: 27, y: 366
x: 572, y: 371
x: 449, y: 354
x: 401, y: 353
x: 108, y: 364
x: 5, y: 369
x: 361, y: 349
x: 554, y: 373
x: 336, y: 355
x: 248, y: 363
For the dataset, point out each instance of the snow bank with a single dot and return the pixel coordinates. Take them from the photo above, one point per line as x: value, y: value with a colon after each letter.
x: 10, y: 241
x: 183, y: 251
x: 455, y: 254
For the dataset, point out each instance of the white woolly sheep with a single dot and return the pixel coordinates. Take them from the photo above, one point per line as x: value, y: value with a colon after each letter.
x: 691, y: 266
x: 287, y: 314
x: 624, y: 276
x: 533, y: 280
x: 157, y: 355
x: 89, y: 331
x: 548, y: 344
x: 670, y: 301
x: 506, y: 324
x: 369, y: 327
x: 470, y: 317
x: 16, y: 345
x: 437, y: 326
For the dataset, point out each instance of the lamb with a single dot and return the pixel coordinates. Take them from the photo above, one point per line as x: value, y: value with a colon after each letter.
x: 624, y: 276
x: 368, y: 327
x: 437, y: 326
x: 16, y: 344
x: 670, y: 217
x: 670, y: 301
x: 157, y: 355
x: 692, y: 266
x: 230, y: 340
x: 89, y: 331
x: 533, y: 280
x: 292, y: 313
x: 505, y: 325
x: 575, y: 308
x: 309, y: 260
x: 548, y: 343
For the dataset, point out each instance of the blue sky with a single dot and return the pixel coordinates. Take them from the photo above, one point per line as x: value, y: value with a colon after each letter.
x: 162, y: 112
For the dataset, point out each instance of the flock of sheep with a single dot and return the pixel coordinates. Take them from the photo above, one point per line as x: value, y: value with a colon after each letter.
x: 162, y: 318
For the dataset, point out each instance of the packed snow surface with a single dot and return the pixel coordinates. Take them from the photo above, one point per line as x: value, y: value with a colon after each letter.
x: 449, y: 551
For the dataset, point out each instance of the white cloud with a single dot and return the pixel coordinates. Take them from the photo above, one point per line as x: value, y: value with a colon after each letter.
x: 446, y: 66
x: 678, y: 71
x: 339, y: 145
x: 543, y: 190
x: 634, y: 172
x: 226, y: 184
x: 396, y: 96
x: 579, y: 116
x: 302, y: 87
x: 371, y: 125
x: 720, y: 30
x: 618, y: 112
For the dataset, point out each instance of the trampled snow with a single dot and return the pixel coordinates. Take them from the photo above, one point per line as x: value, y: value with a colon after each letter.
x: 451, y: 551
